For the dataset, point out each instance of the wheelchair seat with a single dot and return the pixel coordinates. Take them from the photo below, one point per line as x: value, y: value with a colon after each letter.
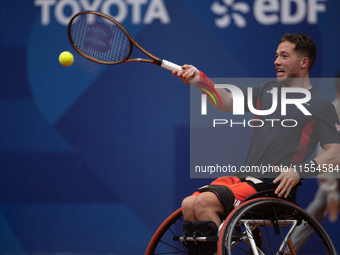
x: 271, y: 193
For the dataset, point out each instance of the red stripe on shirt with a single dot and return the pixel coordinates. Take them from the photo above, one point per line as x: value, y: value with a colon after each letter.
x: 301, y: 151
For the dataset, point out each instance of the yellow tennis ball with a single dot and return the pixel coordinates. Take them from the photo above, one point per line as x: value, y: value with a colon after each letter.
x: 66, y: 58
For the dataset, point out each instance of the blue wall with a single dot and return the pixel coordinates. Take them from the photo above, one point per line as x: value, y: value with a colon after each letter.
x: 92, y: 156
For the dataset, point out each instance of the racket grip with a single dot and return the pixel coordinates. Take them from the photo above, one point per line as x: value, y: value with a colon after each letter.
x: 169, y: 65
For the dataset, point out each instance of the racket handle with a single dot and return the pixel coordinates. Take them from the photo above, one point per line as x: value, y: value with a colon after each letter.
x: 169, y: 65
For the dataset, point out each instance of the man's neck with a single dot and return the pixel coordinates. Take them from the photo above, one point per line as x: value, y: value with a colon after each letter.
x: 298, y: 83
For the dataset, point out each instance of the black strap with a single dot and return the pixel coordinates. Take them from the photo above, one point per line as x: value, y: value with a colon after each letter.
x: 224, y: 194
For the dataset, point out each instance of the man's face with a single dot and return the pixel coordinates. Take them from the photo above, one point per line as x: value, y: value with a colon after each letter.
x: 287, y: 62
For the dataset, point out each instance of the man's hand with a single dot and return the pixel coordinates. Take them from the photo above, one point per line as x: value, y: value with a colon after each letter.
x: 187, y: 73
x: 332, y: 210
x: 288, y: 179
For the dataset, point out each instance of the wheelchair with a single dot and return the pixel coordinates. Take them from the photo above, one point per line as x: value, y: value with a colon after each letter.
x: 261, y: 224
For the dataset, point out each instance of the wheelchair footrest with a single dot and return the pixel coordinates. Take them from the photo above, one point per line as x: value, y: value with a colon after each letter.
x: 196, y: 239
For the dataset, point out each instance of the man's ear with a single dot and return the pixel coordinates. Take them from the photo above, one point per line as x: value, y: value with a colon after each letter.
x: 304, y: 62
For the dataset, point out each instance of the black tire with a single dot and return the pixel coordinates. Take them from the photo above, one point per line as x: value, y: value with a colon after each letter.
x: 261, y: 213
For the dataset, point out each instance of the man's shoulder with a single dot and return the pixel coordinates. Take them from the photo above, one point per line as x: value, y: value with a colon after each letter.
x: 319, y: 105
x: 318, y: 98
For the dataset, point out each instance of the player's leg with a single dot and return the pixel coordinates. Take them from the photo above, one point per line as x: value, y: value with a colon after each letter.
x: 204, y: 209
x: 208, y: 207
x: 201, y: 212
x: 188, y: 208
x: 204, y: 206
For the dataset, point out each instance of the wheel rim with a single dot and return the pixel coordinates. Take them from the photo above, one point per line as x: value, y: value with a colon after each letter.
x: 258, y: 210
x: 162, y: 241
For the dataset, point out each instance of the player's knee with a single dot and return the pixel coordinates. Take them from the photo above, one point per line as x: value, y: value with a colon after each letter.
x: 205, y: 202
x: 188, y: 207
x: 188, y: 203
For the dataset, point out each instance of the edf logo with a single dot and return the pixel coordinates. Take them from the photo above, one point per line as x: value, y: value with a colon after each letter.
x: 267, y: 12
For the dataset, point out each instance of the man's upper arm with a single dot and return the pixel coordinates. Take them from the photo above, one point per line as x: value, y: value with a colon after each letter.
x: 328, y: 126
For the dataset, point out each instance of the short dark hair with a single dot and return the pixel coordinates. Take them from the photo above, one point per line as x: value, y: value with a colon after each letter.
x: 304, y: 46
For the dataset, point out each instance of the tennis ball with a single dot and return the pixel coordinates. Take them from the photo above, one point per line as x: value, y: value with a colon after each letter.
x: 66, y: 58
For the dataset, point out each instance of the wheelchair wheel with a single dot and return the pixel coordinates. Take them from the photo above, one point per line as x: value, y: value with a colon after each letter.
x: 162, y: 241
x: 264, y: 226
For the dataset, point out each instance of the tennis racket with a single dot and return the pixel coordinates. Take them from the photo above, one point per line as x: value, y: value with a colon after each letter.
x: 102, y: 39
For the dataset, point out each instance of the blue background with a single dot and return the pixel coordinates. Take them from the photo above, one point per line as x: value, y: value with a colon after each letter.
x: 93, y: 158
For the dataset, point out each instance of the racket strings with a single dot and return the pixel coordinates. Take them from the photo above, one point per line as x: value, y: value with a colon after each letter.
x: 100, y: 38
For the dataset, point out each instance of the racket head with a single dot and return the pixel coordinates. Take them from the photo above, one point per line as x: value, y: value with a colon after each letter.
x: 99, y: 38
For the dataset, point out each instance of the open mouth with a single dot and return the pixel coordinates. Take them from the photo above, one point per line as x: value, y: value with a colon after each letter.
x: 279, y: 71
